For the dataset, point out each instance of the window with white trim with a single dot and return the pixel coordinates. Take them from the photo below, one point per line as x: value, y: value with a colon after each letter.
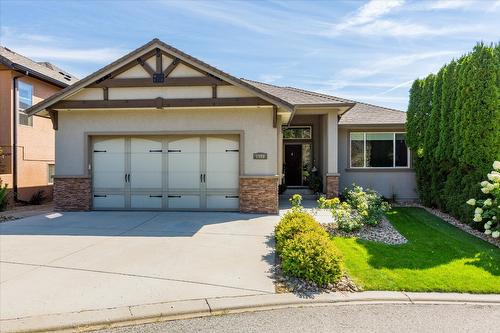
x: 379, y: 150
x: 24, y: 101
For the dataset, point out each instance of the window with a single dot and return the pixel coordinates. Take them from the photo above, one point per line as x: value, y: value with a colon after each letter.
x: 379, y: 150
x: 25, y: 100
x: 296, y: 132
x: 51, y: 174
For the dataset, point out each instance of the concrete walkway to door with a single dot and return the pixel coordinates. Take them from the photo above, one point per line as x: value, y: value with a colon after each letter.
x: 66, y: 262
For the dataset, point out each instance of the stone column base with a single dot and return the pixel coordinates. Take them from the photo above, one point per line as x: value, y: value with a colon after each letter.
x: 259, y: 194
x: 332, y: 186
x: 72, y: 193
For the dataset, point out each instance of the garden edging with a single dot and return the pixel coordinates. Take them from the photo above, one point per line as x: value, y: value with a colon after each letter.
x: 150, y: 313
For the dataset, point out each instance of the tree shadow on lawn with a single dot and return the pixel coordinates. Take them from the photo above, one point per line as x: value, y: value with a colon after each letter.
x: 431, y: 242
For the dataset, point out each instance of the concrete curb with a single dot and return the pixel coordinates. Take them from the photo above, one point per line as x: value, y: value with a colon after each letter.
x: 150, y: 313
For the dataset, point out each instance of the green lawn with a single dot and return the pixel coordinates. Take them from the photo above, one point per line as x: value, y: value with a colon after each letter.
x: 437, y: 257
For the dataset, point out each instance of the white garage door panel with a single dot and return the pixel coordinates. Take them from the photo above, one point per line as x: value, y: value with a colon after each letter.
x: 222, y: 202
x: 109, y: 201
x: 109, y: 163
x: 184, y: 201
x: 166, y: 172
x: 151, y: 201
x: 184, y: 164
x: 145, y: 163
x: 222, y: 163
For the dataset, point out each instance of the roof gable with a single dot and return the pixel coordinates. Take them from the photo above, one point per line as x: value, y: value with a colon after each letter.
x: 177, y: 67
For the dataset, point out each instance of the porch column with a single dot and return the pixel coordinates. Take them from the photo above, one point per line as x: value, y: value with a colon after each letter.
x: 332, y: 173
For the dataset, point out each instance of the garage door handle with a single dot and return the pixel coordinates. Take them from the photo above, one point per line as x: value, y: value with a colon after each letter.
x: 204, y: 178
x: 174, y: 150
x: 155, y: 150
x: 100, y: 195
x: 174, y: 196
x: 232, y: 150
x: 232, y: 196
x: 156, y: 196
x: 99, y: 151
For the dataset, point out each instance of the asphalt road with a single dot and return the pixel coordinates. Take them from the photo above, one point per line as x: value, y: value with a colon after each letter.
x: 343, y: 318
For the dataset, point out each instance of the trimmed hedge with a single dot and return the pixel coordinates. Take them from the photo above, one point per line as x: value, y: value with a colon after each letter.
x: 306, y: 250
x: 453, y: 128
x: 313, y: 257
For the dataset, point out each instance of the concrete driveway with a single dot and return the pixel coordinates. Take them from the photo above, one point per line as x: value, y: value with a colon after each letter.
x: 66, y: 262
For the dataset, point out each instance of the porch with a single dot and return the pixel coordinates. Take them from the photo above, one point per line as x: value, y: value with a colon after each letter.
x: 308, y: 154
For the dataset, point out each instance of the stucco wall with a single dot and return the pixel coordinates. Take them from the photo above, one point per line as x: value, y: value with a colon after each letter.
x: 36, y: 144
x: 400, y: 182
x: 255, y: 123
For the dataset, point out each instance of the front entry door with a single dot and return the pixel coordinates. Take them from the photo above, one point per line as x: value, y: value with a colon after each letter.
x: 293, y: 165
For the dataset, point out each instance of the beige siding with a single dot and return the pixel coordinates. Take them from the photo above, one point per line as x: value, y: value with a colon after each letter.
x: 256, y: 125
x: 232, y: 91
x: 165, y: 92
x: 87, y: 94
x: 182, y: 70
x: 398, y: 182
x: 134, y: 73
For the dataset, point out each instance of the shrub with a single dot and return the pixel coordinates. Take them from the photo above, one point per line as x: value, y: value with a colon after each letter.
x: 296, y: 201
x: 4, y: 196
x: 488, y: 210
x: 368, y: 204
x: 293, y: 223
x: 325, y: 203
x: 453, y: 126
x: 312, y: 256
x: 347, y: 218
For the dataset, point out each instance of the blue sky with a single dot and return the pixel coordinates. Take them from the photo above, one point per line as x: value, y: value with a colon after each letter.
x: 368, y: 51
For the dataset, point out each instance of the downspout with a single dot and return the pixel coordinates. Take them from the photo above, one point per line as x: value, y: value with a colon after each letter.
x: 14, y: 137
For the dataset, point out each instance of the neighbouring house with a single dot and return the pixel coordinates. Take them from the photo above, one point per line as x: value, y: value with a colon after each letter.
x: 160, y: 129
x: 27, y: 142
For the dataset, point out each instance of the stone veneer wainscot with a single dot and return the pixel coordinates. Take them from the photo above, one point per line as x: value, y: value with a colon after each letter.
x: 259, y: 194
x: 72, y: 193
x: 332, y: 185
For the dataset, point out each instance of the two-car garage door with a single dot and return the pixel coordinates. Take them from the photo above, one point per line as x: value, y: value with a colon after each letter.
x: 166, y: 172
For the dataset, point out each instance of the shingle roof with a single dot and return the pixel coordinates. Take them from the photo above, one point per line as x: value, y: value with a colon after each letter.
x: 296, y: 96
x: 359, y: 114
x: 42, y: 70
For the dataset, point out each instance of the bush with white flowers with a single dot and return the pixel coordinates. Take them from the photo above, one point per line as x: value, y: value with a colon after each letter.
x: 488, y: 211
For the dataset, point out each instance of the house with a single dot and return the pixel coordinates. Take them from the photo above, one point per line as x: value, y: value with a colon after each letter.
x: 160, y: 129
x: 29, y: 167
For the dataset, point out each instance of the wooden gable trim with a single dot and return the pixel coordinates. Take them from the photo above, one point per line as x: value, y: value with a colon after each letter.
x: 168, y: 82
x: 146, y: 66
x: 54, y: 118
x: 161, y: 103
x: 159, y: 61
x: 171, y: 67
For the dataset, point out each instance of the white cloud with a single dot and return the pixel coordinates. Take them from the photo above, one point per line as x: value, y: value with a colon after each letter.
x: 94, y: 55
x: 45, y: 48
x: 270, y: 78
x: 403, y: 29
x: 398, y: 86
x: 369, y: 12
x: 449, y: 4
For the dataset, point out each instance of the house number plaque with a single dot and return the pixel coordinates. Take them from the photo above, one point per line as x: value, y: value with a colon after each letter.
x: 260, y: 156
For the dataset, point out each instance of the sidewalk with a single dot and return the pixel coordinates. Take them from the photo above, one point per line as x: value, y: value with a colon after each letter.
x: 149, y: 313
